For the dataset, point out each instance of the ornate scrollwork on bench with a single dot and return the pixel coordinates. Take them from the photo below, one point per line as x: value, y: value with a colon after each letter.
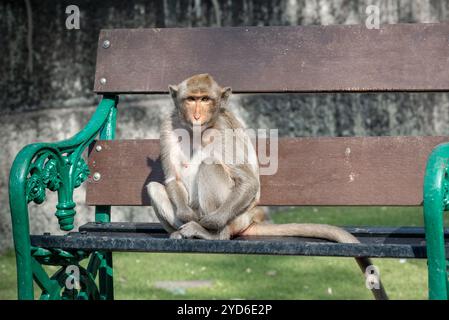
x: 82, y: 172
x: 58, y: 167
x: 44, y: 174
x: 58, y: 257
x: 57, y: 172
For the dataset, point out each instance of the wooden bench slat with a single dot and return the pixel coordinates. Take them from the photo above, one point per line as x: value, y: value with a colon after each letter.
x: 377, y: 171
x: 401, y: 57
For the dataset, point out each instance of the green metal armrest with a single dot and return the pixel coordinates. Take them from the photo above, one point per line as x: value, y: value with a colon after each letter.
x: 436, y: 201
x: 56, y: 166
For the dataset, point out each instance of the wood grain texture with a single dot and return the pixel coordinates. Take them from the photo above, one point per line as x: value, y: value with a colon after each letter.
x: 401, y: 57
x: 311, y: 171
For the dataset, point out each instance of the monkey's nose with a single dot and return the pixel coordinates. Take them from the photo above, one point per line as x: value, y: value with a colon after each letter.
x: 197, y: 116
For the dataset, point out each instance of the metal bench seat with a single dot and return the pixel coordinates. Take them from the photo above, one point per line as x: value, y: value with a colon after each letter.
x: 397, y: 242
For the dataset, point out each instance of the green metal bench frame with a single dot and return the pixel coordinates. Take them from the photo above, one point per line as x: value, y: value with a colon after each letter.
x: 59, y: 167
x: 436, y: 201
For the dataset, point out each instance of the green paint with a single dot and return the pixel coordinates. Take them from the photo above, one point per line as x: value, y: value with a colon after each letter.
x: 56, y: 166
x: 435, y: 203
x: 40, y: 276
x: 103, y: 214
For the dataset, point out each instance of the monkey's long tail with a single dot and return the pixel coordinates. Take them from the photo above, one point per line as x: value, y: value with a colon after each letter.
x: 311, y: 230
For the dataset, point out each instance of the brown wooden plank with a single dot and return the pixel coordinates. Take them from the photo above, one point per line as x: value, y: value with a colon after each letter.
x: 311, y: 171
x: 401, y: 57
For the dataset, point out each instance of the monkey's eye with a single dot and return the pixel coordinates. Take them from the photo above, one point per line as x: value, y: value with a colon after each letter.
x: 205, y: 99
x: 190, y: 99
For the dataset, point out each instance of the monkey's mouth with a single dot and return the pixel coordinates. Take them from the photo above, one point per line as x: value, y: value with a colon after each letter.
x: 199, y: 125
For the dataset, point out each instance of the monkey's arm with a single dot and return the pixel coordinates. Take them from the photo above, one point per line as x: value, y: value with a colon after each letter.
x: 179, y: 197
x: 242, y: 196
x: 176, y: 191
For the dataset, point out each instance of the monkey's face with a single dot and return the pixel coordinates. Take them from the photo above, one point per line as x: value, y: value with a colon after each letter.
x: 199, y: 108
x: 199, y: 99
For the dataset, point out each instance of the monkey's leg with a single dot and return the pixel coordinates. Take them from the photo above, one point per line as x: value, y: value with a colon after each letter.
x: 214, y: 186
x: 193, y: 230
x: 235, y: 188
x: 163, y: 207
x: 179, y: 196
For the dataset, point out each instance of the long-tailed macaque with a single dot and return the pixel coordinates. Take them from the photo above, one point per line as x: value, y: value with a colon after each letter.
x: 208, y: 198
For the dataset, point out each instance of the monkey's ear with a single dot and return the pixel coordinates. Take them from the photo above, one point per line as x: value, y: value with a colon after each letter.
x: 173, y: 91
x: 226, y: 93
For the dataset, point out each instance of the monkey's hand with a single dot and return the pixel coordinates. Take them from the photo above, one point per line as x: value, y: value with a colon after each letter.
x: 186, y: 215
x: 214, y: 221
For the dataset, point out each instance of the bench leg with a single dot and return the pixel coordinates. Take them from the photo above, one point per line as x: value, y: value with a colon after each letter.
x: 105, y: 275
x: 22, y: 246
x: 106, y: 279
x: 436, y: 196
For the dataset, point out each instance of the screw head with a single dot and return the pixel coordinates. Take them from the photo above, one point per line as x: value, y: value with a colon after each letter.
x: 103, y: 81
x: 96, y: 176
x: 98, y: 148
x: 106, y: 44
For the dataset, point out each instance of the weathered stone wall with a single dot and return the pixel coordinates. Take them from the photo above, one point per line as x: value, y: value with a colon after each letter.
x: 47, y: 71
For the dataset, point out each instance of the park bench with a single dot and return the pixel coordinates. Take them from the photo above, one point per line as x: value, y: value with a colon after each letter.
x: 323, y: 171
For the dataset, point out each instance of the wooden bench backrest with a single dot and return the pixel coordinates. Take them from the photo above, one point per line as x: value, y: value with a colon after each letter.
x: 402, y: 57
x: 315, y: 171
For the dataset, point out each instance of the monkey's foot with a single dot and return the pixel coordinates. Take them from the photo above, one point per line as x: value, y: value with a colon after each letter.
x: 176, y: 235
x: 192, y: 230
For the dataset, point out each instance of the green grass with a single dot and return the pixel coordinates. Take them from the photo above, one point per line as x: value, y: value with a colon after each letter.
x: 265, y: 277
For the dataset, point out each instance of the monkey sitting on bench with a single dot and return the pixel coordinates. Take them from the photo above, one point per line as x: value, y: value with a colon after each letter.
x: 208, y: 198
